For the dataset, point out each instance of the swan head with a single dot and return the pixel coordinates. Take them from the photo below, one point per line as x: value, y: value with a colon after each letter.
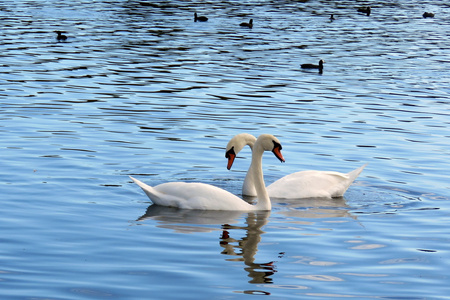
x: 236, y: 144
x: 239, y: 141
x: 270, y: 143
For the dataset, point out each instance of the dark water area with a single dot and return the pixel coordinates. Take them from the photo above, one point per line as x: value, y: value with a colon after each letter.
x: 138, y: 88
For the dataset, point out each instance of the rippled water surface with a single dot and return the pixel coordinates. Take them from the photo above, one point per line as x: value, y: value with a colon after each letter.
x: 139, y: 88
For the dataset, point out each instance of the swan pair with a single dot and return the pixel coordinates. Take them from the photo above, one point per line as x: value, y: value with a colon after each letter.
x: 202, y: 196
x: 208, y: 197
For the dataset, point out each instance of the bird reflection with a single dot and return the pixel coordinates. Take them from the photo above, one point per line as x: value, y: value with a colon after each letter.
x: 314, y: 208
x: 240, y: 249
x: 245, y: 248
x: 188, y: 220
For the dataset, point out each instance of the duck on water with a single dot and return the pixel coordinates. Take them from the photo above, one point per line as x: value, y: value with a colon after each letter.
x: 248, y: 25
x: 313, y: 66
x: 366, y: 10
x: 200, y: 19
x: 60, y: 36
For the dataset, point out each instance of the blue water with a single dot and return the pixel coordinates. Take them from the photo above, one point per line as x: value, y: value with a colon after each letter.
x: 139, y: 89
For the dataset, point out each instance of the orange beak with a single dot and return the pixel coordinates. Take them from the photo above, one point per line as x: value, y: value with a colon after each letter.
x: 277, y: 152
x: 231, y: 156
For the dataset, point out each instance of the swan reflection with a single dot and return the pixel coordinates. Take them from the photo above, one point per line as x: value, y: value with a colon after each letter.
x: 244, y: 249
x: 311, y: 208
x: 189, y: 220
x: 237, y: 248
x: 239, y: 240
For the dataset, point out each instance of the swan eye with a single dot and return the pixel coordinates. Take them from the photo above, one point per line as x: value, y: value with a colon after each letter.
x: 277, y: 145
x: 230, y: 153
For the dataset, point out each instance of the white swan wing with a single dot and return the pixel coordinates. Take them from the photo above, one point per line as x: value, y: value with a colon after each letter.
x: 313, y: 184
x: 193, y: 195
x: 303, y: 184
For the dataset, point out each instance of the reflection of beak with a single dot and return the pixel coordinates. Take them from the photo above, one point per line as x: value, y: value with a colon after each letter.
x: 277, y: 152
x: 231, y: 156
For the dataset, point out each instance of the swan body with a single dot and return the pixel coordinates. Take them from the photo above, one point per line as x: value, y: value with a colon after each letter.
x: 303, y: 184
x: 313, y: 184
x: 203, y: 196
x: 193, y: 195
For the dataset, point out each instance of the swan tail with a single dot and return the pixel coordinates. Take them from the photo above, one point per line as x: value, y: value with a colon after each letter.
x: 355, y: 173
x: 351, y: 177
x: 149, y: 191
x: 341, y: 188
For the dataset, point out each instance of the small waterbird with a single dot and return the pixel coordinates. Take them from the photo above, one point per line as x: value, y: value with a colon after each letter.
x: 60, y: 37
x: 249, y: 24
x: 200, y: 19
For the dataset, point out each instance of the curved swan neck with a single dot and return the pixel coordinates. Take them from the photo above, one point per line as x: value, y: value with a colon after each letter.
x: 248, y: 188
x: 245, y: 139
x: 258, y: 177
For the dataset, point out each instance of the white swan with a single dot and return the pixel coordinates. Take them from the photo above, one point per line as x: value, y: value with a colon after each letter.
x: 303, y: 184
x: 207, y: 197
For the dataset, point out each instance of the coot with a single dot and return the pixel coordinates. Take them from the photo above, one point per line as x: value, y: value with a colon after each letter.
x: 249, y: 24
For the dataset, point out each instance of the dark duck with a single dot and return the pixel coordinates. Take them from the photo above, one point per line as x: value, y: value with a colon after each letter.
x: 365, y: 10
x: 245, y: 24
x: 313, y: 66
x: 60, y: 37
x: 200, y: 19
